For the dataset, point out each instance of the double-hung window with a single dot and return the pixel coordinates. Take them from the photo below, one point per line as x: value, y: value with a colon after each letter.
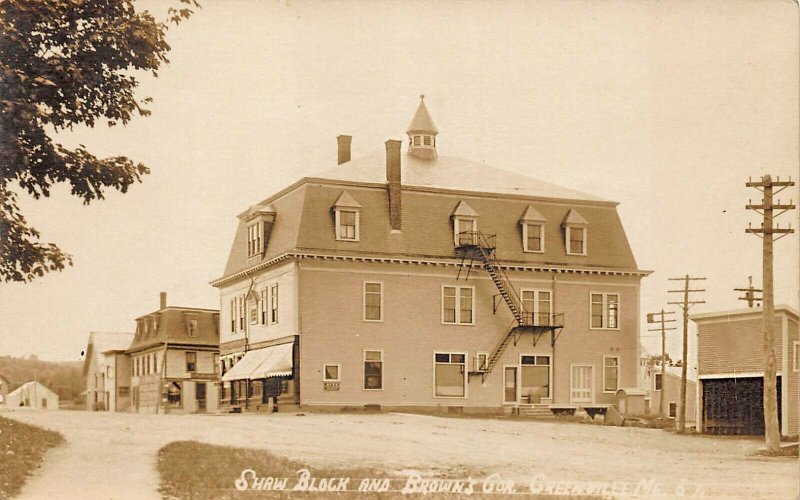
x: 254, y: 239
x: 575, y: 233
x: 273, y: 306
x: 450, y: 375
x: 233, y: 315
x: 604, y: 311
x: 347, y: 225
x: 533, y: 237
x: 241, y: 312
x: 373, y: 301
x: 458, y: 305
x: 576, y: 240
x: 264, y: 306
x: 373, y: 370
x: 610, y: 373
x: 537, y: 306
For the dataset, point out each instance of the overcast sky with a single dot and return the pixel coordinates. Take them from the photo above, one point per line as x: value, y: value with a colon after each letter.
x: 665, y: 107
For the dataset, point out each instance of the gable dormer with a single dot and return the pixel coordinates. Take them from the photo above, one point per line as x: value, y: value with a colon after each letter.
x: 575, y: 233
x: 259, y: 222
x: 532, y: 223
x: 347, y: 217
x: 465, y: 223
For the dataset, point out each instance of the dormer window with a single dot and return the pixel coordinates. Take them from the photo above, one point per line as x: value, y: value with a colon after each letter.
x: 347, y: 225
x: 576, y: 240
x: 532, y: 223
x: 259, y: 226
x: 427, y: 140
x: 254, y: 239
x: 417, y: 140
x: 575, y: 233
x: 465, y: 224
x: 347, y: 214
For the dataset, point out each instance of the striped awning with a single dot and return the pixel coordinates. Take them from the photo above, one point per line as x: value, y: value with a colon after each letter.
x: 278, y: 363
x: 272, y: 361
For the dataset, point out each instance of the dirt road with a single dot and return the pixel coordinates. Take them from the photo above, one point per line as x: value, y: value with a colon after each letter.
x: 113, y: 455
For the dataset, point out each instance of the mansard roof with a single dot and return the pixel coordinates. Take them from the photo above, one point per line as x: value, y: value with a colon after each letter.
x: 173, y: 328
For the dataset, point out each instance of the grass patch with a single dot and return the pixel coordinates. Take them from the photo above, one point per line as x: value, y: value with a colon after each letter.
x: 197, y: 471
x: 22, y: 448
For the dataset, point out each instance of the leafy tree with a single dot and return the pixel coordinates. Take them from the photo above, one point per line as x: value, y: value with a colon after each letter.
x: 65, y: 63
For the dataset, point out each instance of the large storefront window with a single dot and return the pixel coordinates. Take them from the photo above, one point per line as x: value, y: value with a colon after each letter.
x: 449, y: 375
x: 535, y: 377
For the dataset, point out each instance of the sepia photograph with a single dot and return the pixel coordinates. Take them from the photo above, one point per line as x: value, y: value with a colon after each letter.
x: 394, y: 249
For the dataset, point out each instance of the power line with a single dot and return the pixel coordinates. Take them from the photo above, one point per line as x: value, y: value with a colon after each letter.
x: 685, y: 304
x: 769, y: 209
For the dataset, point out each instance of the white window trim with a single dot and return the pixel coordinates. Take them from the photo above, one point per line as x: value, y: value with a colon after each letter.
x: 525, y: 236
x: 655, y: 376
x: 337, y: 226
x: 796, y: 345
x: 363, y: 370
x: 274, y: 301
x: 466, y: 379
x: 257, y: 229
x: 458, y: 306
x: 535, y: 311
x: 591, y: 383
x: 585, y: 239
x: 605, y: 311
x: 338, y: 372
x: 604, y: 374
x: 457, y: 226
x: 549, y: 369
x: 264, y: 310
x: 364, y: 302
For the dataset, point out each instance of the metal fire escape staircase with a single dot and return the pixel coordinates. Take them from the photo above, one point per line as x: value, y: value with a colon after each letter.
x: 475, y: 245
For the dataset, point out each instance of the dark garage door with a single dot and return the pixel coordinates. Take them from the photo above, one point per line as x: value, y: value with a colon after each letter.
x: 735, y: 405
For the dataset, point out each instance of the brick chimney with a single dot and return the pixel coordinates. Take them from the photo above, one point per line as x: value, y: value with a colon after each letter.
x: 162, y: 300
x: 393, y: 182
x: 344, y: 148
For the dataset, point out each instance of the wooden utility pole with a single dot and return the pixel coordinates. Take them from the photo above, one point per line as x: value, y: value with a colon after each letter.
x: 685, y: 304
x: 660, y: 317
x: 767, y: 209
x: 750, y: 293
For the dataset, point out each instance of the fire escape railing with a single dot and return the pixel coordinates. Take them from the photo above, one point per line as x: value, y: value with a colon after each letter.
x: 484, y: 246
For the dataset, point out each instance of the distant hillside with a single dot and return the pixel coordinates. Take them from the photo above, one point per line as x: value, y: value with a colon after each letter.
x: 65, y: 378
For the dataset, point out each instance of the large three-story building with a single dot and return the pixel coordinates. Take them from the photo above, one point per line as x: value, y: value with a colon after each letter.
x: 410, y: 280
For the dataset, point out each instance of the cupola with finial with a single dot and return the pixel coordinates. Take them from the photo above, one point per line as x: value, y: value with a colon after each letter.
x: 422, y: 133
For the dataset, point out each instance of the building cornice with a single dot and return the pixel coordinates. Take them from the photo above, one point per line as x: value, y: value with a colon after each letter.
x: 424, y: 261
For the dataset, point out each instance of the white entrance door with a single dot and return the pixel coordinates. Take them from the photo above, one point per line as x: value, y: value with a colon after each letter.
x: 581, y: 384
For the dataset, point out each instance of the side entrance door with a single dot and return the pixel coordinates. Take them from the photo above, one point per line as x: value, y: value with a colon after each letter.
x: 510, y: 385
x: 581, y: 378
x: 200, y: 396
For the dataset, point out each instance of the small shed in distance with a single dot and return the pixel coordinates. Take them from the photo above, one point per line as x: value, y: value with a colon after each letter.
x: 33, y: 394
